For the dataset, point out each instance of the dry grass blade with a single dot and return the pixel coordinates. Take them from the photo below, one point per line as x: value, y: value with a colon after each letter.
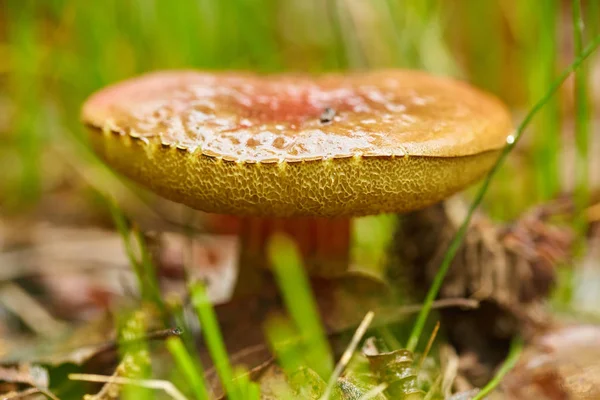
x: 449, y: 369
x: 429, y: 344
x: 345, y: 359
x: 155, y: 384
x: 47, y: 393
x: 432, y: 389
x: 25, y: 394
x: 28, y: 393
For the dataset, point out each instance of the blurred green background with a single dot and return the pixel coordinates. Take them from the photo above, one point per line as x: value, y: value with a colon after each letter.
x: 54, y: 53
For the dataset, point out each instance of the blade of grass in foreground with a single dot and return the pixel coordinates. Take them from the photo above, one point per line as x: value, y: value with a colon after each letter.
x: 214, y: 341
x: 460, y: 234
x: 248, y: 390
x: 300, y: 303
x: 188, y: 367
x: 514, y: 353
x: 285, y: 343
x: 253, y: 391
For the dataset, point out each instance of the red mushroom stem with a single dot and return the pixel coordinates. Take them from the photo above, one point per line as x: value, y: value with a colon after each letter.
x: 323, y: 242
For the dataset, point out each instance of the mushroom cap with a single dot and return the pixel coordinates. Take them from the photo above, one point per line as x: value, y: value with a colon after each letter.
x: 297, y: 145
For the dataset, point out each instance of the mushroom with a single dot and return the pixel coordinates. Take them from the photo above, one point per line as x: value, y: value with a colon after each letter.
x: 298, y: 153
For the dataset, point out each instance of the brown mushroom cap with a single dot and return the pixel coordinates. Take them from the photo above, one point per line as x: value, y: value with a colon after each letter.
x: 238, y: 143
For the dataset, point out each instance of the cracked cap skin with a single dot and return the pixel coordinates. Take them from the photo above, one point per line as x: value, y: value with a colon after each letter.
x: 331, y: 145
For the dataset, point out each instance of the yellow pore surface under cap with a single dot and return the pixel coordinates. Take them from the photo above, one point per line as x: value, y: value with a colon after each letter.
x: 245, y: 144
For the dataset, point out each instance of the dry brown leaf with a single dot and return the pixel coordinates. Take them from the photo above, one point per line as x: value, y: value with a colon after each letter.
x: 563, y: 364
x: 29, y: 374
x: 24, y: 374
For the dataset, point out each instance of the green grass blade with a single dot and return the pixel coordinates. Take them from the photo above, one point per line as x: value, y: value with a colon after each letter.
x: 542, y: 68
x: 149, y: 271
x: 339, y: 59
x: 460, y: 234
x: 189, y: 367
x: 371, y: 239
x: 214, y: 341
x: 593, y: 18
x: 248, y: 390
x: 144, y: 267
x: 285, y: 343
x: 582, y: 121
x: 516, y: 348
x: 254, y: 19
x: 24, y: 51
x: 253, y: 391
x: 484, y: 43
x: 300, y: 303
